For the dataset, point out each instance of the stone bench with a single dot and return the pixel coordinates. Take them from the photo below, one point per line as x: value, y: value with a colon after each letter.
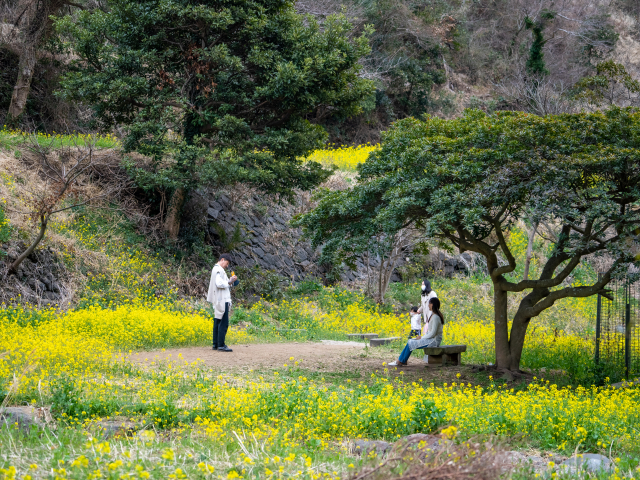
x: 444, y: 354
x: 362, y: 336
x: 376, y: 342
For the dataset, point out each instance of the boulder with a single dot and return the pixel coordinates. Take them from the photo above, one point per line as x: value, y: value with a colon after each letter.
x: 431, y: 442
x: 23, y: 417
x: 365, y: 447
x: 538, y: 463
x: 591, y: 462
x: 213, y: 213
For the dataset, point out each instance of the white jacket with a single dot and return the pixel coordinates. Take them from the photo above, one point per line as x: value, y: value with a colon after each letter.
x: 416, y: 321
x: 424, y: 305
x: 219, y: 293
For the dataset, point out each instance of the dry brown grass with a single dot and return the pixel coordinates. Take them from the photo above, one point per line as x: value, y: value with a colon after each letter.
x: 447, y: 461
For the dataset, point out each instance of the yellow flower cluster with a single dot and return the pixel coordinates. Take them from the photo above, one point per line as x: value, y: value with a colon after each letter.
x: 297, y: 408
x: 345, y: 158
x: 13, y: 137
x: 544, y: 346
x: 87, y: 341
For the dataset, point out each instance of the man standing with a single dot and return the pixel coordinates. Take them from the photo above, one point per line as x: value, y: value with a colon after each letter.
x: 220, y: 296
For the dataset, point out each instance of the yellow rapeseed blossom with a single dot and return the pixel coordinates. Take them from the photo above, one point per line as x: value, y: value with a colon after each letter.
x: 345, y: 158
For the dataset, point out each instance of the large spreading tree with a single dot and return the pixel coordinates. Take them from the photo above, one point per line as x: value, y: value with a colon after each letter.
x: 468, y: 181
x: 216, y: 91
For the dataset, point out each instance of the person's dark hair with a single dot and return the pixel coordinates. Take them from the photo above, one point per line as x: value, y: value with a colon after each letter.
x: 435, y: 308
x: 427, y: 285
x: 414, y: 309
x: 227, y: 257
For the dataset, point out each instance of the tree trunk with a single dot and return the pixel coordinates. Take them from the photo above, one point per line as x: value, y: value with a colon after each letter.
x: 516, y: 341
x: 174, y: 212
x: 21, y: 90
x: 503, y: 351
x: 43, y: 228
x: 527, y: 262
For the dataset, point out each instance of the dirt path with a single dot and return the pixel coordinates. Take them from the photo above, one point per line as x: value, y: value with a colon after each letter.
x: 271, y: 355
x: 320, y: 357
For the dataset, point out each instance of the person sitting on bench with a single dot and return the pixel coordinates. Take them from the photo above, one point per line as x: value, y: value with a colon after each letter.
x: 432, y: 338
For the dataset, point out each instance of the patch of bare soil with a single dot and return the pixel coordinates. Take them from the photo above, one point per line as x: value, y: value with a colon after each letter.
x: 319, y: 357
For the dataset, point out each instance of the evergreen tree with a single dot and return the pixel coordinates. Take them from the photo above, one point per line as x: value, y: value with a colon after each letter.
x: 216, y: 91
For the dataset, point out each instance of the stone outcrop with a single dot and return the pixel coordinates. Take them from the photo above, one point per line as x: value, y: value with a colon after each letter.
x: 264, y: 236
x: 38, y: 279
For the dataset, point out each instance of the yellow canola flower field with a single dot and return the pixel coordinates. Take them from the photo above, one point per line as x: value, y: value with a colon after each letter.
x: 86, y: 341
x: 345, y: 158
x: 297, y: 408
x: 544, y: 346
x: 55, y: 140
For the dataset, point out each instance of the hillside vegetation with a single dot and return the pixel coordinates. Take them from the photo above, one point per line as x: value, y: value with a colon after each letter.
x: 487, y: 146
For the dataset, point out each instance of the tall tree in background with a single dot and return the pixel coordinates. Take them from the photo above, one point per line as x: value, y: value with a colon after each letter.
x: 216, y: 91
x: 31, y: 24
x: 468, y: 181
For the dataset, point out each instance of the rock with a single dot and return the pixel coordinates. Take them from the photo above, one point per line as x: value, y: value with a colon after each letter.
x: 538, y: 463
x: 592, y: 462
x: 51, y: 296
x: 300, y: 255
x: 430, y: 441
x: 212, y: 212
x: 46, y: 281
x: 24, y: 417
x: 364, y: 447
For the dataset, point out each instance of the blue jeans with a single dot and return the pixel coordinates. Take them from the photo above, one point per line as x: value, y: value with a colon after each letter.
x: 405, y: 354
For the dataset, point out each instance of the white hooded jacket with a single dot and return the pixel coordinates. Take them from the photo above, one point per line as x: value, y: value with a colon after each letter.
x: 219, y: 293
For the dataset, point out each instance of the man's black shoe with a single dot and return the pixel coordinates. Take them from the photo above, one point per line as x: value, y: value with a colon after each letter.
x: 215, y: 347
x: 224, y: 349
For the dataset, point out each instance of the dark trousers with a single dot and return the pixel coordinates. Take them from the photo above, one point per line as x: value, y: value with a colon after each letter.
x: 220, y: 327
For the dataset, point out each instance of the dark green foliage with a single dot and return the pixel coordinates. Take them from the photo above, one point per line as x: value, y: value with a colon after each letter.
x: 243, y: 315
x: 468, y: 180
x: 230, y: 242
x: 256, y: 283
x: 65, y: 399
x: 8, y: 75
x: 535, y: 62
x: 426, y: 417
x: 307, y: 287
x: 218, y: 91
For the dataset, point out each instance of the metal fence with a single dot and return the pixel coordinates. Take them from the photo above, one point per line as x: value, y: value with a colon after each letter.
x: 617, y: 338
